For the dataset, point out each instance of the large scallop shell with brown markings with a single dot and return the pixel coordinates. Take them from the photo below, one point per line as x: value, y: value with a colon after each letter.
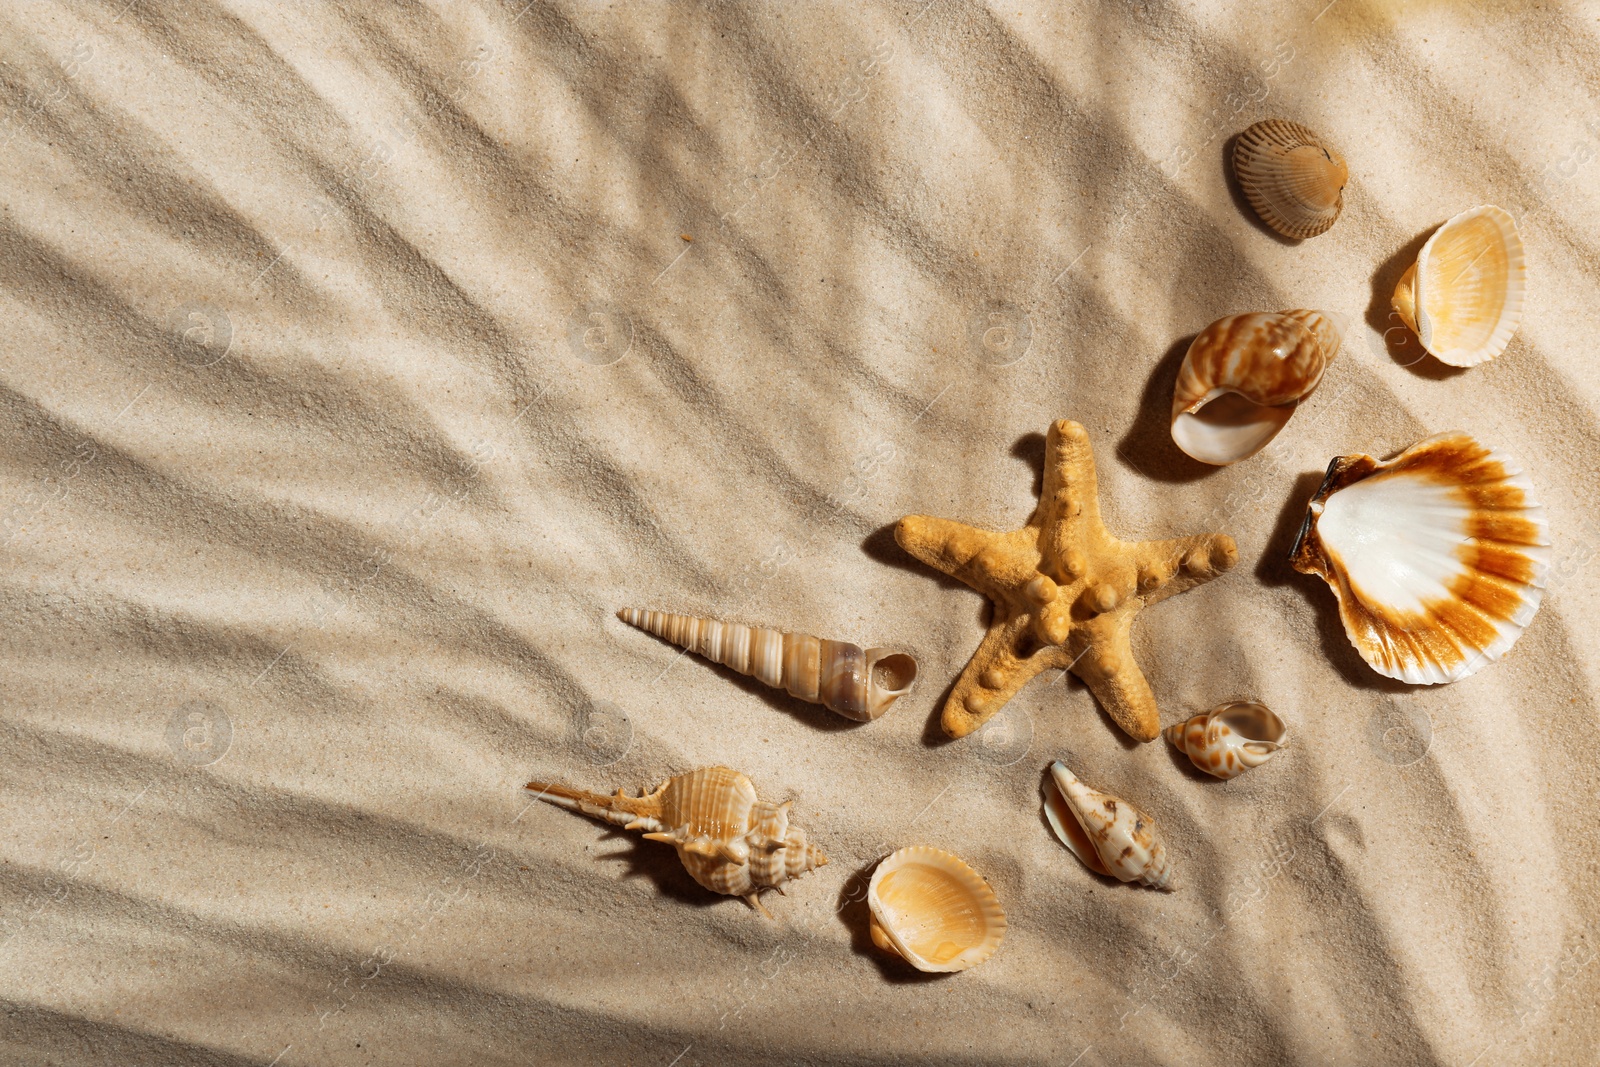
x: 932, y: 910
x: 1243, y: 376
x: 1438, y: 557
x: 1292, y: 177
x: 1463, y: 296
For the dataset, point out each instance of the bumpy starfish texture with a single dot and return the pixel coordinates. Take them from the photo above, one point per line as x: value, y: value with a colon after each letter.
x: 1065, y: 592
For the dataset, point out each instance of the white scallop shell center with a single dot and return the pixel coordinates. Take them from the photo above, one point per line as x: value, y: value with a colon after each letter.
x: 1396, y: 539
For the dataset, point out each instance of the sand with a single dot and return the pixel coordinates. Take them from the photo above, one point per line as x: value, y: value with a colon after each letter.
x: 361, y: 360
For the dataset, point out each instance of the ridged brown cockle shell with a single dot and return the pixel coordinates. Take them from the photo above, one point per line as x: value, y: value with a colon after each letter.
x: 1229, y: 740
x: 1438, y: 557
x: 1293, y: 178
x: 1463, y: 296
x: 1244, y: 375
x: 729, y: 839
x: 858, y: 684
x: 1110, y: 835
x: 933, y: 911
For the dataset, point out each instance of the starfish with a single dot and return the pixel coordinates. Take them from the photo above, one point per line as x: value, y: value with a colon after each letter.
x: 1065, y: 592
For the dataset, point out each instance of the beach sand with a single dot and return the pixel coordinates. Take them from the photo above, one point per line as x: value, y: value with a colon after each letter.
x: 363, y: 359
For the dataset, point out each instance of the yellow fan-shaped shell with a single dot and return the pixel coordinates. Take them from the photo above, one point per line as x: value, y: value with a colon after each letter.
x: 1293, y: 178
x: 932, y: 910
x: 1463, y: 296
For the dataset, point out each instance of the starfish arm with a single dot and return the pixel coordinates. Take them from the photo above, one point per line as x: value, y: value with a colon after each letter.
x: 1070, y: 498
x: 1167, y: 568
x: 942, y: 544
x: 993, y: 676
x: 962, y: 552
x: 1113, y: 676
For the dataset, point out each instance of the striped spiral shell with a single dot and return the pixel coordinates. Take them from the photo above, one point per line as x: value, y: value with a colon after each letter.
x: 858, y: 684
x: 728, y: 838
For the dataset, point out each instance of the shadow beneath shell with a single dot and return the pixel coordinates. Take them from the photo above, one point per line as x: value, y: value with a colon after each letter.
x: 1148, y: 445
x: 1242, y: 202
x: 659, y: 862
x: 1275, y: 569
x: 1399, y: 341
x: 852, y: 910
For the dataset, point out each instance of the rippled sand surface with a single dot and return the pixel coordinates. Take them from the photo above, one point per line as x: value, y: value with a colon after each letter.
x: 361, y: 359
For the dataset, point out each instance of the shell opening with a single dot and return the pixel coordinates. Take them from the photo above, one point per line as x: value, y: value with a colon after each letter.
x: 893, y: 673
x: 1229, y: 428
x: 1069, y: 827
x: 1255, y: 723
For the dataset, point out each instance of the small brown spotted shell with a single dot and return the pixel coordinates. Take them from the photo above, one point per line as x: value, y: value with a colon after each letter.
x: 1293, y: 178
x: 1229, y: 740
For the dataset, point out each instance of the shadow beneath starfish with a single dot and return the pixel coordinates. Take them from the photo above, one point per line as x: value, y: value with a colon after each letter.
x: 1274, y: 568
x: 933, y: 735
x: 1030, y: 448
x: 1148, y: 446
x: 881, y: 546
x: 1401, y: 343
x: 853, y: 911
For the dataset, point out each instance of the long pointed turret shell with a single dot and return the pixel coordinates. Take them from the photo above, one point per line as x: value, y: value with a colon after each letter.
x: 1438, y: 556
x: 1244, y: 375
x: 859, y: 685
x: 934, y: 911
x: 1111, y: 836
x: 1229, y: 740
x: 1293, y: 178
x: 1463, y: 295
x: 729, y: 839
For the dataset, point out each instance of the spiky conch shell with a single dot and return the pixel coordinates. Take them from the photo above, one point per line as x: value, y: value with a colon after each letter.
x: 1229, y: 740
x: 860, y: 685
x: 934, y: 911
x: 1293, y: 178
x: 728, y: 838
x: 1110, y: 835
x: 1244, y: 375
x: 1463, y: 296
x: 1438, y: 557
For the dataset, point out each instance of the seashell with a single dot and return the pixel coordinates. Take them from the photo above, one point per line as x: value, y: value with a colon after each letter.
x: 1228, y: 740
x: 933, y: 911
x: 857, y: 684
x: 1293, y: 178
x: 1244, y: 375
x: 729, y: 839
x: 1438, y: 556
x: 1463, y: 295
x: 1111, y: 836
